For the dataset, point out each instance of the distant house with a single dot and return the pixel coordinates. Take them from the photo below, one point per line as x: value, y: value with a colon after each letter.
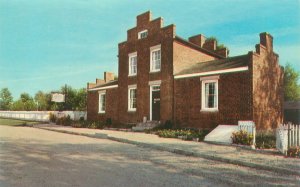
x: 190, y: 82
x: 292, y: 112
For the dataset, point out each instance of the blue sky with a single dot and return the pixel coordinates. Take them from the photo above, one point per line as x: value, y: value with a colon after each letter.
x: 46, y: 44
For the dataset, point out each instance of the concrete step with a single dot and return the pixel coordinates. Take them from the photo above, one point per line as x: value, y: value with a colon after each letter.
x: 145, y: 125
x: 221, y: 134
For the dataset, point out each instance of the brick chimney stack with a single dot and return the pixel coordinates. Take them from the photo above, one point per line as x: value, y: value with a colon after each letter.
x: 198, y: 40
x: 266, y: 40
x: 210, y: 45
x: 108, y: 76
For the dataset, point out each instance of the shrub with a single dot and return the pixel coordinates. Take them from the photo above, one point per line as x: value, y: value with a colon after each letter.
x: 242, y: 137
x: 294, y: 152
x: 189, y: 134
x: 67, y: 121
x: 265, y: 140
x: 52, y: 117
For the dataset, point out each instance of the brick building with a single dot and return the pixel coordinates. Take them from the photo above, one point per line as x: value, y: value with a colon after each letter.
x: 163, y: 77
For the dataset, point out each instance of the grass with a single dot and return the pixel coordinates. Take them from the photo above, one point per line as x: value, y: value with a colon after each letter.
x: 15, y: 122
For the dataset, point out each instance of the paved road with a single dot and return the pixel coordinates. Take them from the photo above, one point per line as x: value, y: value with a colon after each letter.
x: 34, y: 157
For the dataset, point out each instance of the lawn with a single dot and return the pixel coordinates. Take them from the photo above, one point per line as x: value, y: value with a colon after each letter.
x: 15, y: 122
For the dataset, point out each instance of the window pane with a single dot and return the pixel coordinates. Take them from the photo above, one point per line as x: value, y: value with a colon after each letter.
x: 210, y: 95
x: 132, y: 104
x: 156, y: 62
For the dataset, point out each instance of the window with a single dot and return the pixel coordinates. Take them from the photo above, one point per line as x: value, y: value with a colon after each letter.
x: 209, y: 95
x: 132, y: 99
x: 155, y: 61
x: 102, y: 102
x: 132, y: 64
x: 143, y: 34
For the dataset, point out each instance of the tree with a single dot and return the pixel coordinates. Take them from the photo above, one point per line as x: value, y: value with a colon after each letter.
x: 291, y: 86
x: 24, y: 103
x: 6, y: 99
x: 43, y: 100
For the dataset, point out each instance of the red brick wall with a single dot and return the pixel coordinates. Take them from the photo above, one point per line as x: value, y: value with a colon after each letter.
x: 156, y: 35
x: 111, y: 105
x: 234, y: 101
x: 185, y: 57
x: 267, y: 85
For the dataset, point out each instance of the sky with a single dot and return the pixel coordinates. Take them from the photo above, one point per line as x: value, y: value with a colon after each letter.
x: 45, y: 44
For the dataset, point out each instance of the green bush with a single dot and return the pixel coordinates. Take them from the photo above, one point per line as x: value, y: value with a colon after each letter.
x: 294, y: 152
x: 67, y: 121
x: 242, y: 137
x: 52, y: 117
x: 188, y: 134
x: 265, y: 140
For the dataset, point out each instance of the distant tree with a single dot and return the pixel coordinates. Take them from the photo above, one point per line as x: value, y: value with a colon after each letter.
x: 24, y: 103
x: 43, y: 100
x: 6, y: 99
x: 291, y: 86
x: 75, y: 99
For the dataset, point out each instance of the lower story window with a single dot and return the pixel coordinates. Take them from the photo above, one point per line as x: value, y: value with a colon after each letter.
x: 132, y: 99
x: 102, y: 102
x: 209, y: 95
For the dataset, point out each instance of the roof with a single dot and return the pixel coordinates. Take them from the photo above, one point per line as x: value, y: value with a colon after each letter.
x: 216, y: 65
x: 111, y: 83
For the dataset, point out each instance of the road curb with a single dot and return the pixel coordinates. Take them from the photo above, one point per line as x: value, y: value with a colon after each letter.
x: 180, y: 151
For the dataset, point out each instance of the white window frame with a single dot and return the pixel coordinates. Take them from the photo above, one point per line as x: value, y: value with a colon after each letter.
x: 130, y: 56
x: 142, y: 32
x: 130, y: 109
x: 154, y: 49
x: 101, y: 93
x: 203, y: 107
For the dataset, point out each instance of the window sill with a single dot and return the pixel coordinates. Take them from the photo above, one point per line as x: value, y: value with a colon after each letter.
x: 209, y: 110
x: 131, y: 110
x: 133, y: 75
x: 101, y: 112
x: 154, y: 71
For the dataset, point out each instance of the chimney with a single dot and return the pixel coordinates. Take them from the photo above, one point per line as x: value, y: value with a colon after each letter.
x: 100, y: 81
x: 108, y: 76
x: 210, y: 45
x: 223, y: 52
x: 90, y: 85
x: 266, y: 40
x: 197, y: 40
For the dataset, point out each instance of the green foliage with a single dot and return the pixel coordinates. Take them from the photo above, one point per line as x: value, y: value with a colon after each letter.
x: 265, y: 140
x: 291, y: 86
x: 242, y: 137
x: 188, y: 134
x: 6, y: 99
x: 65, y: 120
x: 75, y: 99
x: 43, y: 100
x: 52, y: 117
x: 294, y: 152
x: 24, y: 103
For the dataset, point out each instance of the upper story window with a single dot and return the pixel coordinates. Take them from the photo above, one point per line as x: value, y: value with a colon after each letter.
x: 102, y: 101
x: 132, y: 69
x: 155, y: 58
x: 209, y: 95
x: 143, y: 34
x: 132, y: 98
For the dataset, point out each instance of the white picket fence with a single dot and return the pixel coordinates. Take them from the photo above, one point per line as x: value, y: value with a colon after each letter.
x: 41, y: 115
x: 249, y: 127
x: 287, y: 135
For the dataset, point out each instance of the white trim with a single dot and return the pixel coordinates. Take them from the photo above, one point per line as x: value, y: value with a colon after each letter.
x: 103, y: 88
x: 131, y: 87
x: 102, y: 91
x: 153, y: 49
x: 151, y: 89
x: 203, y: 107
x: 99, y: 109
x: 212, y: 72
x: 155, y: 83
x: 140, y: 33
x: 210, y: 78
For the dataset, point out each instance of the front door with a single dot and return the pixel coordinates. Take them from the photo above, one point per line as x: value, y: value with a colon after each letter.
x: 156, y: 103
